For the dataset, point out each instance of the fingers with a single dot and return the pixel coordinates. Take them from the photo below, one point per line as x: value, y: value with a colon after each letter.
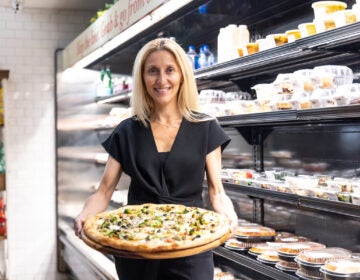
x: 78, y: 226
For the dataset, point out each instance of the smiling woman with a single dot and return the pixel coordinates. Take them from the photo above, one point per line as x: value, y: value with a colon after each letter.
x: 166, y: 148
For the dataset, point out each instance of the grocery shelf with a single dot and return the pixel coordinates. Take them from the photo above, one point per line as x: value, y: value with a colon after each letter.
x: 294, y: 117
x: 84, y: 154
x: 123, y: 96
x: 248, y: 262
x: 340, y: 44
x: 337, y: 207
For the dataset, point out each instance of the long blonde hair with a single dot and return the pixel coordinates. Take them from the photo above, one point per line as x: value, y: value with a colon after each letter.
x: 141, y: 102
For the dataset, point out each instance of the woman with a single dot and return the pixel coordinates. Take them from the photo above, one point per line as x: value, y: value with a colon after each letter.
x: 165, y: 148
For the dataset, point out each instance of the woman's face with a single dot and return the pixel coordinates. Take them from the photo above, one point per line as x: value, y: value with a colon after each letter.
x: 162, y: 77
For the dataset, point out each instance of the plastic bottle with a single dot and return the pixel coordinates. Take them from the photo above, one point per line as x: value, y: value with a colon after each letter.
x: 202, y: 58
x: 221, y: 45
x: 244, y: 35
x: 209, y: 55
x: 192, y: 54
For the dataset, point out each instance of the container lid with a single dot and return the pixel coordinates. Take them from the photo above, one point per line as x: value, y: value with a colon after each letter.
x: 342, y: 268
x: 317, y: 257
x: 297, y: 247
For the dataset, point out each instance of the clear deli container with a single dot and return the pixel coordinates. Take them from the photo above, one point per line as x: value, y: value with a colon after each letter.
x: 355, y: 198
x: 293, y: 249
x: 316, y: 257
x: 330, y: 76
x: 347, y: 94
x: 341, y: 269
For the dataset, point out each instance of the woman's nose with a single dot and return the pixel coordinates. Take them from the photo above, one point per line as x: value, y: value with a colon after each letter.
x: 161, y: 77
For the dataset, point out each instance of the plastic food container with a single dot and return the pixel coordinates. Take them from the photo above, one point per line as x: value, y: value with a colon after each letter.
x: 317, y: 257
x: 264, y: 91
x: 355, y: 198
x: 234, y: 244
x: 347, y: 94
x: 323, y: 9
x: 341, y: 270
x: 307, y: 29
x: 344, y: 197
x: 287, y: 266
x: 256, y: 232
x: 293, y: 249
x: 274, y: 40
x: 326, y: 194
x: 344, y: 17
x: 333, y: 75
x: 293, y: 35
x: 305, y: 77
x: 325, y: 24
x: 252, y: 47
x: 305, y: 274
x: 269, y: 257
x: 302, y: 181
x: 259, y: 249
x: 287, y: 83
x: 339, y: 185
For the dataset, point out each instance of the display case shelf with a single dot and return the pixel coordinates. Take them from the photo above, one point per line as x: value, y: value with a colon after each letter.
x: 340, y: 44
x: 248, y: 262
x: 294, y: 117
x: 122, y: 97
x: 337, y: 207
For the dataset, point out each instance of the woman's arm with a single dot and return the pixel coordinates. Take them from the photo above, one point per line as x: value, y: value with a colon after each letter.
x: 99, y: 201
x: 220, y: 202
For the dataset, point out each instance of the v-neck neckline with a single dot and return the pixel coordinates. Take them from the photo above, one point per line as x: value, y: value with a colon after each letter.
x: 174, y: 143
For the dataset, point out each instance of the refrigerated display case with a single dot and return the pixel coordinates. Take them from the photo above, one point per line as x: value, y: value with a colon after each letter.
x: 322, y: 141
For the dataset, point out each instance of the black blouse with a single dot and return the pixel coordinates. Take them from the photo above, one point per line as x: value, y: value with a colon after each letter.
x: 178, y: 177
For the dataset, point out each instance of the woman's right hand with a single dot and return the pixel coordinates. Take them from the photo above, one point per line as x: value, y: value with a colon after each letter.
x: 79, y: 224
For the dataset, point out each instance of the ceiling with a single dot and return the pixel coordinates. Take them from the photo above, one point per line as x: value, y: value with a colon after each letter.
x: 75, y: 5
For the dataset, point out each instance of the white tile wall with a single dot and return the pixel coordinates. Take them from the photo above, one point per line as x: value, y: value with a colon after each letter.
x: 28, y: 41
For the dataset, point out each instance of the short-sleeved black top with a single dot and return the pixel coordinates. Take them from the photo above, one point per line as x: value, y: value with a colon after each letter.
x: 176, y: 178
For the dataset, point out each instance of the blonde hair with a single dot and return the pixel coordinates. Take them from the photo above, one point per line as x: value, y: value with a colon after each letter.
x: 141, y: 102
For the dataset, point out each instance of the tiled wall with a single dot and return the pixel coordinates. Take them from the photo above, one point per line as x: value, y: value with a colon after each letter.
x: 28, y: 41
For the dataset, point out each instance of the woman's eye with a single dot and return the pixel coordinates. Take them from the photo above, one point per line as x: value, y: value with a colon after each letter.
x: 170, y: 69
x: 152, y: 70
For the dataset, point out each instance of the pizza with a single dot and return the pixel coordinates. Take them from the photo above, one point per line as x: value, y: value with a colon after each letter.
x: 154, y: 228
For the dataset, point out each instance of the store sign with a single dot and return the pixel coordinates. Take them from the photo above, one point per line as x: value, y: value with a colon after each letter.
x: 115, y: 20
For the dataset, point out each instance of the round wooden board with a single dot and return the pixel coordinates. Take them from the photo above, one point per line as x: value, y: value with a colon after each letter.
x: 155, y: 255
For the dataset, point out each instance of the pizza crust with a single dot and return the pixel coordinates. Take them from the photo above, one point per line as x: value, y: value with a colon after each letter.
x: 158, y: 228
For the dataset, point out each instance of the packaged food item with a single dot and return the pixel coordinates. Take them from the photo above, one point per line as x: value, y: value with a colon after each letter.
x: 263, y: 44
x: 344, y: 17
x: 347, y: 94
x: 355, y: 198
x: 329, y: 76
x: 293, y: 249
x: 344, y: 197
x: 325, y: 24
x: 287, y: 266
x: 287, y: 83
x: 234, y: 244
x: 264, y: 91
x: 316, y: 257
x: 275, y: 40
x: 322, y: 9
x: 252, y: 47
x: 260, y: 248
x: 307, y: 29
x: 269, y: 257
x: 255, y: 232
x: 305, y: 79
x: 293, y: 35
x: 341, y: 269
